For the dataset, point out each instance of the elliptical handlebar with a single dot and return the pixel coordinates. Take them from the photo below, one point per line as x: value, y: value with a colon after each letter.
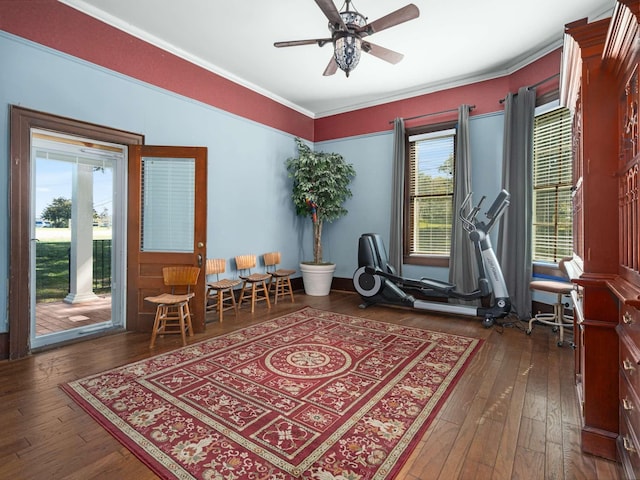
x: 469, y: 220
x: 497, y: 208
x: 493, y: 214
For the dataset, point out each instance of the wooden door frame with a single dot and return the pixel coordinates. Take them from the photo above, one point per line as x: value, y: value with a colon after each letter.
x: 22, y: 121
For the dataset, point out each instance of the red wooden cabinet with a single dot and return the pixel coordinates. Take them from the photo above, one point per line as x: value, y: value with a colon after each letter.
x: 600, y: 86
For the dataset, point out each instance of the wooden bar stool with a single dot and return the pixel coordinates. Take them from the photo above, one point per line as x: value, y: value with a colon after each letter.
x: 280, y: 277
x: 256, y: 281
x: 172, y: 310
x: 220, y: 289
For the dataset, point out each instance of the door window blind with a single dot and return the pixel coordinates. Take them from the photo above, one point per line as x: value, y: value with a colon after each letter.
x: 168, y: 196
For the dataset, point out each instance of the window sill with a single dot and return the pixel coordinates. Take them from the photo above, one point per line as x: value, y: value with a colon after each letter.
x: 547, y: 270
x: 426, y: 260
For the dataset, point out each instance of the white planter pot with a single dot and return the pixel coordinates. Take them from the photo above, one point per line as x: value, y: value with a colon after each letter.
x: 317, y: 278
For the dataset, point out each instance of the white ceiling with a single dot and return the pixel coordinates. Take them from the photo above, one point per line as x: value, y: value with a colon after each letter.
x: 453, y: 42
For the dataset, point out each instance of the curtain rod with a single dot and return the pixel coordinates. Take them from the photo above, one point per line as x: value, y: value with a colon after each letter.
x: 471, y: 107
x: 545, y: 80
x: 502, y: 100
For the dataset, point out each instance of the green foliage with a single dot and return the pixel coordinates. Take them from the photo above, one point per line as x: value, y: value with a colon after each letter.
x: 58, y: 212
x: 320, y: 188
x: 52, y: 269
x: 103, y: 218
x: 440, y: 183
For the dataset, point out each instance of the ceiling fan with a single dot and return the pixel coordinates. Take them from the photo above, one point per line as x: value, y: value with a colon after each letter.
x: 348, y: 28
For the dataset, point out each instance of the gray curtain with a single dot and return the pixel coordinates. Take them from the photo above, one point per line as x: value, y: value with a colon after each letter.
x: 514, y: 243
x: 463, y: 270
x: 397, y: 196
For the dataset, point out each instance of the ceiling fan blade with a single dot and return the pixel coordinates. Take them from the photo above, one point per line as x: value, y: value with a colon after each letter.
x: 294, y: 43
x: 331, y: 12
x: 331, y: 68
x: 401, y: 15
x: 382, y: 53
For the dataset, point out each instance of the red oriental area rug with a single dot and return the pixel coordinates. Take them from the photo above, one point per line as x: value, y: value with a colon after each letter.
x: 312, y: 394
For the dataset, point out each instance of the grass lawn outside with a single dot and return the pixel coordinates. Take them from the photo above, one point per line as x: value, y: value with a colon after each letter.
x: 52, y: 262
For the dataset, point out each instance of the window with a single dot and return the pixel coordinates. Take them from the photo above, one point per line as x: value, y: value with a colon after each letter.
x: 429, y: 195
x: 552, y: 182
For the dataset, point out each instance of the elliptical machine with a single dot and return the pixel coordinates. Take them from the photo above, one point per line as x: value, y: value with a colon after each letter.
x: 377, y: 282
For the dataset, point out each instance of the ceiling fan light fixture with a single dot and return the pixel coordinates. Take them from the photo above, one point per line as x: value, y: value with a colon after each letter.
x: 347, y: 44
x: 348, y: 28
x: 353, y: 18
x: 347, y: 49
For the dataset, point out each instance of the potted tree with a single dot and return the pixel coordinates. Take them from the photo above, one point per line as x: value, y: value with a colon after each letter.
x: 320, y: 188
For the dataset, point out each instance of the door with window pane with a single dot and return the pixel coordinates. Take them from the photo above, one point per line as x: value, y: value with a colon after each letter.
x: 166, y: 225
x: 76, y: 226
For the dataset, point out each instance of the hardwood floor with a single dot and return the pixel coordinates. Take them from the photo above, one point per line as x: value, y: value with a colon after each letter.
x: 513, y: 415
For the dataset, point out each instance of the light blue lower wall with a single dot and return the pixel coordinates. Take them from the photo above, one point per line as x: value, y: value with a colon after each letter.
x: 249, y: 206
x: 369, y: 209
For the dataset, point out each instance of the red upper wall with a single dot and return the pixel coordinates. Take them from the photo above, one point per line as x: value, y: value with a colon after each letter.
x: 63, y: 28
x: 484, y: 95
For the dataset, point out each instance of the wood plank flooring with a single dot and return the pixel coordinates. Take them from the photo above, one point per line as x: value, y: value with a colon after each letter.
x: 59, y: 316
x: 513, y: 415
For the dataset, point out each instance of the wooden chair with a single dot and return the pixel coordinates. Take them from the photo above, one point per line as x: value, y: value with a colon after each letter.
x: 280, y: 277
x: 172, y: 311
x: 257, y: 281
x: 220, y: 289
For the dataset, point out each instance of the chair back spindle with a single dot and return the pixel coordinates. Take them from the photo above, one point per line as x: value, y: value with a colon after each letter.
x: 280, y: 277
x: 256, y: 282
x: 220, y: 291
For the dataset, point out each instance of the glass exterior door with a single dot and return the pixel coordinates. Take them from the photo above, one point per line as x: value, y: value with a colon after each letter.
x: 77, y: 232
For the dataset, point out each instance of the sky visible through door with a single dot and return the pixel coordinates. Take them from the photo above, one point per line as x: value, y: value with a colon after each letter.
x: 54, y: 180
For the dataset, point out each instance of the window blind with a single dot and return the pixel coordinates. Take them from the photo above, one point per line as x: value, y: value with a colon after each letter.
x: 168, y: 204
x: 552, y: 182
x: 431, y: 159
